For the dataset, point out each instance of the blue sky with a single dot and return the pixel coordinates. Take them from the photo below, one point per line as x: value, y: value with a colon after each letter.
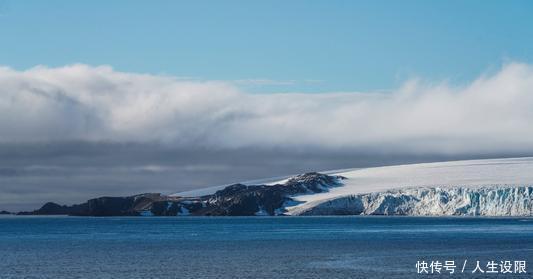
x: 305, y: 46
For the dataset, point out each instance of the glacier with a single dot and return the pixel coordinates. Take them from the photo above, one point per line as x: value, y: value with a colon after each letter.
x: 493, y: 187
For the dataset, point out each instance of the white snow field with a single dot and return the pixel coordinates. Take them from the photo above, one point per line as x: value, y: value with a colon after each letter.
x: 492, y: 187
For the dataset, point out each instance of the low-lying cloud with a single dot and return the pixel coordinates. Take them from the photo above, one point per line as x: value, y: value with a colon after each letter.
x: 79, y: 102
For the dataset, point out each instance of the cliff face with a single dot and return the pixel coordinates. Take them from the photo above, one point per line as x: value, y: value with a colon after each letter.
x: 121, y: 206
x: 478, y: 201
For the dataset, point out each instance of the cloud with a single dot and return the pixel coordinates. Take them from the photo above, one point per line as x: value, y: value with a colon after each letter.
x: 83, y: 103
x: 263, y: 82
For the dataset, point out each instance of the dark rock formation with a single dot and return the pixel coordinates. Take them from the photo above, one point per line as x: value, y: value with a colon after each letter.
x: 234, y: 200
x: 3, y: 212
x: 51, y: 208
x: 121, y: 206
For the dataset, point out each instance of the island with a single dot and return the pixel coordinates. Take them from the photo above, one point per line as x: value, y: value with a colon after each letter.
x: 495, y: 187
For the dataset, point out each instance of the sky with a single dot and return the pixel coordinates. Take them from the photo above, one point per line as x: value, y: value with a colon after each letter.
x: 124, y: 97
x: 300, y: 46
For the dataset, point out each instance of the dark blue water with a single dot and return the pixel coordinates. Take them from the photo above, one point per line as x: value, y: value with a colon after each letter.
x: 249, y: 247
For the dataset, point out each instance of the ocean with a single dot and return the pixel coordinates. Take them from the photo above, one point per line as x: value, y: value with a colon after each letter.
x: 265, y: 247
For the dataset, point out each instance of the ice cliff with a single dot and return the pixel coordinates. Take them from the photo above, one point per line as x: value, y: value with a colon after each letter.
x: 495, y: 200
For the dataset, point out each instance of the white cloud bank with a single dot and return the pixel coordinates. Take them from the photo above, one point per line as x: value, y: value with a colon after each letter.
x: 492, y: 114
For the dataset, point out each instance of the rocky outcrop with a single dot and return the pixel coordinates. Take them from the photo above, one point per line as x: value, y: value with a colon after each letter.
x: 121, y: 206
x: 246, y: 200
x: 51, y: 208
x: 3, y: 212
x: 103, y: 206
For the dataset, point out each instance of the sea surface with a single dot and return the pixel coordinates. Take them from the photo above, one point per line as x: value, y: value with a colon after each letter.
x: 259, y: 247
